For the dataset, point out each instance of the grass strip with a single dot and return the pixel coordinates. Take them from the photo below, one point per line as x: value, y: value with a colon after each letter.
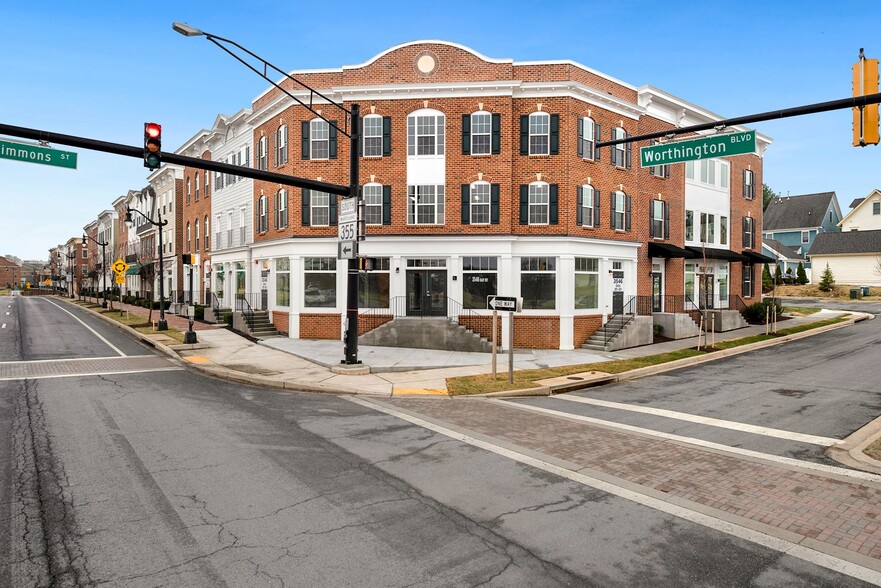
x: 173, y: 333
x: 874, y: 449
x: 803, y: 310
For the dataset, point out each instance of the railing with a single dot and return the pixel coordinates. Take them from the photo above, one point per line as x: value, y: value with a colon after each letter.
x: 645, y: 305
x: 397, y: 307
x: 244, y: 306
x: 627, y: 313
x: 215, y: 303
x: 735, y: 302
x: 254, y: 300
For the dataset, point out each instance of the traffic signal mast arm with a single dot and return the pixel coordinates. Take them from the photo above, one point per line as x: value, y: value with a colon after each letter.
x: 854, y: 102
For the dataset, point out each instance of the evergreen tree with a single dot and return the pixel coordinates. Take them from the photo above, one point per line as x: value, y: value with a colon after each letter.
x: 778, y: 275
x: 767, y: 280
x: 827, y: 280
x: 801, y: 275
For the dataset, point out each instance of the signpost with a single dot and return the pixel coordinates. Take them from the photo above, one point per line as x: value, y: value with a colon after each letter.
x: 37, y: 154
x: 120, y: 267
x: 510, y: 304
x: 721, y: 145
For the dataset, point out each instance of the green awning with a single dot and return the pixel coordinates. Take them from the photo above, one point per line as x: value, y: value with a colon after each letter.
x: 133, y: 269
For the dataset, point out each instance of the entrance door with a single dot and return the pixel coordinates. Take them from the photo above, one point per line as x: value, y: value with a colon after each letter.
x: 426, y: 293
x: 707, y: 293
x: 617, y: 292
x: 264, y: 289
x: 656, y: 293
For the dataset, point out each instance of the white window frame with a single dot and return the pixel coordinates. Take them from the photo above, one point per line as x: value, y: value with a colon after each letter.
x: 480, y: 203
x: 588, y: 143
x: 282, y: 219
x: 319, y: 202
x: 229, y: 229
x: 620, y: 217
x: 263, y: 214
x: 657, y: 219
x: 373, y: 132
x: 723, y: 230
x: 588, y: 195
x: 217, y: 230
x: 749, y: 178
x: 243, y: 227
x: 196, y: 243
x: 197, y: 186
x: 427, y: 200
x: 319, y: 137
x: 485, y: 132
x: 372, y: 193
x: 417, y: 128
x: 620, y: 157
x: 539, y: 128
x: 805, y: 237
x: 281, y: 145
x: 262, y: 154
x: 539, y: 203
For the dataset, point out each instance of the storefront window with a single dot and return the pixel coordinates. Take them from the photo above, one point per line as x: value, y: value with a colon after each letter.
x: 479, y: 280
x: 538, y: 282
x: 283, y: 281
x: 319, y: 282
x: 587, y: 278
x: 219, y: 277
x: 373, y: 286
x: 689, y: 281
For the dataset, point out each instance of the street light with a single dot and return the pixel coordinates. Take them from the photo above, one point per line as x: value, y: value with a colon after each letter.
x: 352, y: 131
x: 162, y: 325
x: 103, y: 264
x: 70, y: 271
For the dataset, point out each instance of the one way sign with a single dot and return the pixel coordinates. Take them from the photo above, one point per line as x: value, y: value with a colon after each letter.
x: 507, y: 303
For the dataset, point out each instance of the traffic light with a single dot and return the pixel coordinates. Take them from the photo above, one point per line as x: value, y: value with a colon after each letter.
x: 152, y: 145
x: 366, y: 264
x: 865, y: 118
x: 187, y: 259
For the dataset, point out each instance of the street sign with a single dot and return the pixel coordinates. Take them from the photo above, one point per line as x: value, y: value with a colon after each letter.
x: 346, y: 250
x: 348, y: 219
x: 505, y: 303
x: 120, y: 267
x: 721, y: 145
x: 120, y: 279
x: 47, y: 281
x: 37, y: 154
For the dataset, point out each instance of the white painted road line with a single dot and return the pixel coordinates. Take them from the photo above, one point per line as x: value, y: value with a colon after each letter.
x: 30, y: 361
x: 113, y: 373
x: 109, y: 344
x: 692, y: 418
x: 860, y: 475
x: 4, y: 326
x: 810, y: 555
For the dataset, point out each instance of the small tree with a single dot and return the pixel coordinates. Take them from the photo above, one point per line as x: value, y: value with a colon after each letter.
x: 778, y: 275
x: 827, y: 280
x: 767, y: 280
x: 801, y: 275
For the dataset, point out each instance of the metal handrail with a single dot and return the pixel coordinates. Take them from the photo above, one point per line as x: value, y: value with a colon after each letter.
x: 215, y: 302
x: 626, y: 311
x: 245, y: 307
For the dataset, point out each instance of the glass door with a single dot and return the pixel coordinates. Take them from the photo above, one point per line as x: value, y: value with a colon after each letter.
x: 426, y: 293
x: 656, y: 292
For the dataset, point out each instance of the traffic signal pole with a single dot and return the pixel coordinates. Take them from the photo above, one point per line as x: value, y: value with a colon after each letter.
x: 351, y: 336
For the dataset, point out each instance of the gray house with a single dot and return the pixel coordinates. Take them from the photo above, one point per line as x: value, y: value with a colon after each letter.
x: 795, y: 221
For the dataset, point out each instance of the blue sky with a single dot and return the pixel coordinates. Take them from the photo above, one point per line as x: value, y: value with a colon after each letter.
x: 101, y: 69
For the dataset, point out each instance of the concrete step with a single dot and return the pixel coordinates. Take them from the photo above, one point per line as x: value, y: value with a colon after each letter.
x: 426, y: 333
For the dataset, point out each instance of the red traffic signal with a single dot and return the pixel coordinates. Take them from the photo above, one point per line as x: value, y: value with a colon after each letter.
x: 152, y: 145
x: 366, y: 264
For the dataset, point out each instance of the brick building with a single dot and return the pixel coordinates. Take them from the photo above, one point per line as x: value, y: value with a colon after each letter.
x: 10, y: 273
x: 482, y: 176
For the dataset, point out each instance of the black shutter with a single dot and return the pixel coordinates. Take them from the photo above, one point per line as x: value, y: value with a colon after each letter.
x: 596, y: 208
x: 494, y: 203
x: 332, y: 206
x: 361, y: 141
x: 466, y: 135
x: 666, y: 169
x: 628, y: 151
x: 744, y: 184
x: 305, y: 209
x: 386, y: 205
x: 627, y: 213
x: 275, y: 212
x: 580, y: 139
x: 466, y: 195
x: 612, y: 209
x: 332, y: 141
x: 553, y: 204
x: 555, y: 134
x: 666, y: 220
x: 579, y: 209
x: 305, y: 139
x: 744, y: 240
x: 651, y: 220
x: 524, y: 134
x: 597, y: 137
x: 386, y: 136
x: 496, y: 134
x: 752, y: 234
x: 524, y: 203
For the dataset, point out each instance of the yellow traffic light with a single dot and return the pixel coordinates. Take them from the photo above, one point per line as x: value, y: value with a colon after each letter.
x: 865, y: 118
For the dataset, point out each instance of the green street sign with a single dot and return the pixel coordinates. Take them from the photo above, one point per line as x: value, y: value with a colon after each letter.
x: 703, y: 148
x: 37, y: 154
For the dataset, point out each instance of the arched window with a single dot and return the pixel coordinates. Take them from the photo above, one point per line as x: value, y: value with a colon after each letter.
x: 539, y: 133
x: 588, y: 214
x: 425, y: 133
x: 197, y: 185
x: 539, y: 203
x: 207, y: 234
x: 588, y: 131
x: 620, y: 213
x: 197, y: 242
x: 188, y: 190
x: 481, y: 133
x: 479, y: 203
x: 373, y: 135
x: 189, y: 242
x: 281, y: 145
x: 373, y: 212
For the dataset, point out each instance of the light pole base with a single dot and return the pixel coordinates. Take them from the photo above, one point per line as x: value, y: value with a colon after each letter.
x: 162, y: 325
x: 190, y: 337
x: 103, y: 304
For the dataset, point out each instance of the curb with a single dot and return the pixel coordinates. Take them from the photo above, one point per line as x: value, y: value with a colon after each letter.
x: 850, y: 450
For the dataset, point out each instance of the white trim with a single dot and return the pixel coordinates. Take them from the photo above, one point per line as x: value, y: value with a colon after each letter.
x: 426, y: 42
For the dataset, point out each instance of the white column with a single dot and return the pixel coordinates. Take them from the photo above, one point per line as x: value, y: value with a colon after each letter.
x: 296, y: 297
x: 509, y: 285
x: 566, y: 300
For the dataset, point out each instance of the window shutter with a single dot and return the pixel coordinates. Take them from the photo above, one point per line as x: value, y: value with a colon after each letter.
x: 361, y: 141
x: 275, y: 137
x: 386, y: 205
x: 596, y: 208
x: 628, y: 151
x: 752, y: 234
x: 275, y: 212
x: 305, y: 208
x: 627, y: 213
x: 248, y: 156
x: 579, y: 210
x: 555, y: 134
x: 666, y: 220
x: 466, y: 135
x: 524, y: 134
x: 743, y: 232
x: 524, y: 202
x: 466, y: 195
x: 286, y: 208
x: 494, y: 203
x: 332, y: 141
x: 666, y: 169
x: 580, y: 140
x: 332, y: 206
x: 553, y: 204
x: 305, y: 141
x: 597, y: 137
x: 651, y: 220
x: 386, y: 136
x: 612, y: 209
x: 496, y: 134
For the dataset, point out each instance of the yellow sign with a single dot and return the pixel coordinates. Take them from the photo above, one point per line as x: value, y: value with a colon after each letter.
x: 47, y: 281
x: 27, y: 285
x: 120, y: 279
x: 120, y: 267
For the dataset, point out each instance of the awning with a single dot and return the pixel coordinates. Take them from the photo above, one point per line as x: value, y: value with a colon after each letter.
x: 133, y: 270
x: 712, y: 253
x: 667, y: 250
x: 758, y: 257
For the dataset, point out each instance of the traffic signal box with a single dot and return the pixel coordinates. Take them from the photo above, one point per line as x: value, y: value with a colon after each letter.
x: 366, y: 264
x: 865, y: 119
x: 152, y: 145
x: 187, y: 259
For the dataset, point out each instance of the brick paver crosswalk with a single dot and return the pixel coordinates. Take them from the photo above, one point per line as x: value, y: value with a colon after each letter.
x: 835, y: 511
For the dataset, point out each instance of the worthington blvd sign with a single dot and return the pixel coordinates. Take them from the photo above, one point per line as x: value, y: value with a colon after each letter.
x: 36, y: 154
x: 703, y: 148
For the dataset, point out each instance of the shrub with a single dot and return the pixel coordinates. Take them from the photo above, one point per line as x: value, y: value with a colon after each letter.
x: 227, y: 318
x: 755, y: 313
x: 767, y: 280
x: 827, y: 280
x: 801, y: 274
x: 200, y: 312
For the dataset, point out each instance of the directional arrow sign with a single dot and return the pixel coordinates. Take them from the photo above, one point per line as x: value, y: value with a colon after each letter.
x: 346, y: 250
x: 507, y: 303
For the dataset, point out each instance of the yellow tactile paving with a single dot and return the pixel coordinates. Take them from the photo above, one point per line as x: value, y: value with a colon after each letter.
x: 419, y: 392
x: 197, y: 359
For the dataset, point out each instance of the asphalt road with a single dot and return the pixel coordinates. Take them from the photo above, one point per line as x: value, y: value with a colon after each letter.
x: 122, y: 468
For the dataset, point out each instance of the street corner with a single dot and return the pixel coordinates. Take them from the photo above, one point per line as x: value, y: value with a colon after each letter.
x: 197, y: 359
x: 577, y: 381
x: 401, y: 391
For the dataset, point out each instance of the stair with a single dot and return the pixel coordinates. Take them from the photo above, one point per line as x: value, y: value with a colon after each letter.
x: 426, y: 333
x: 596, y: 341
x: 262, y: 327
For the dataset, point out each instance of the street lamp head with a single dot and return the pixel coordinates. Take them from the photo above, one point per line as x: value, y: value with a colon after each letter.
x: 186, y: 30
x: 84, y: 240
x: 128, y: 217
